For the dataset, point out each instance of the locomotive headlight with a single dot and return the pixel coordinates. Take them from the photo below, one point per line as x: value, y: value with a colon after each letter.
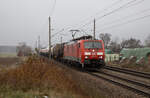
x: 87, y: 53
x: 101, y: 57
x: 99, y: 53
x: 86, y: 57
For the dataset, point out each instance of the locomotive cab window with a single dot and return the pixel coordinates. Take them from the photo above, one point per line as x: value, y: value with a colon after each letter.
x: 93, y: 45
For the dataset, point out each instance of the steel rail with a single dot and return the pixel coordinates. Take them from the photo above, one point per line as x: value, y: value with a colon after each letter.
x: 127, y: 80
x: 122, y: 85
x: 127, y: 71
x: 119, y: 84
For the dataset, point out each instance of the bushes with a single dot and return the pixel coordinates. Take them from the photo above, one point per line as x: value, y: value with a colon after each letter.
x: 132, y: 63
x: 38, y: 74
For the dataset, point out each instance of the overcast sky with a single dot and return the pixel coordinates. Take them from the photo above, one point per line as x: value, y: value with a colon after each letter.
x: 25, y: 20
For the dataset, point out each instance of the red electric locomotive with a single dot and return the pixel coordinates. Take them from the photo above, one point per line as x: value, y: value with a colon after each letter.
x: 89, y: 53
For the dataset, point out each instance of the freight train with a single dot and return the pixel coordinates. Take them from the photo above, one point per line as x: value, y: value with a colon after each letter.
x: 86, y: 52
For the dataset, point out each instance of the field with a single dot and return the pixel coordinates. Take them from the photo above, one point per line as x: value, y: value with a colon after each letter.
x: 9, y: 60
x: 38, y: 77
x: 4, y: 55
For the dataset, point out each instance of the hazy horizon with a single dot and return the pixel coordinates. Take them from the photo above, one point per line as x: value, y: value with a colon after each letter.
x: 25, y: 20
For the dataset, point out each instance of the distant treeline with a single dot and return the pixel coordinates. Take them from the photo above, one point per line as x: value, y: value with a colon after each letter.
x: 117, y: 45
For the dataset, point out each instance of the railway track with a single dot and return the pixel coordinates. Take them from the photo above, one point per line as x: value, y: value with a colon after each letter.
x: 127, y: 71
x: 139, y: 88
x: 134, y: 85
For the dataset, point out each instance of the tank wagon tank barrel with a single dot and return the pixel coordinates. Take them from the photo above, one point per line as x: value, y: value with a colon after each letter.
x: 57, y: 51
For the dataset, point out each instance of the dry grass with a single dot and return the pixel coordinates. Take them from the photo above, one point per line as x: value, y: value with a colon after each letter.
x: 9, y: 60
x: 40, y: 75
x: 145, y: 67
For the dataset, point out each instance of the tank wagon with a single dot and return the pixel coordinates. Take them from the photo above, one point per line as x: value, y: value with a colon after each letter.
x: 84, y: 51
x: 57, y: 51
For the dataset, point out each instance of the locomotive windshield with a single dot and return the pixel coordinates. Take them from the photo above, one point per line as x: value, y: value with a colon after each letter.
x: 92, y: 44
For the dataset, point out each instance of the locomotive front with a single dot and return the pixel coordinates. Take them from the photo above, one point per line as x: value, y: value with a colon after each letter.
x: 92, y: 53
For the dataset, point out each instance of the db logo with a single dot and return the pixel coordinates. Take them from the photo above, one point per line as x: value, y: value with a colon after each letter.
x: 93, y: 53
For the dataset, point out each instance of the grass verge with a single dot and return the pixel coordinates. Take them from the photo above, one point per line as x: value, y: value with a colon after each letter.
x: 40, y: 77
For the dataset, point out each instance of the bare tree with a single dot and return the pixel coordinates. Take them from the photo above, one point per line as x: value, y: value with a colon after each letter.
x: 131, y: 43
x: 147, y: 41
x: 106, y: 38
x: 23, y: 49
x: 115, y: 46
x: 124, y: 44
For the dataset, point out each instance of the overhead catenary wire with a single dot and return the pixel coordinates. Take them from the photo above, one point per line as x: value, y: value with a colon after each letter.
x: 57, y: 33
x: 50, y: 37
x: 111, y: 12
x: 51, y: 11
x: 133, y: 14
x: 99, y: 12
x: 127, y: 22
x: 124, y: 18
x: 125, y: 5
x: 136, y: 3
x: 128, y: 4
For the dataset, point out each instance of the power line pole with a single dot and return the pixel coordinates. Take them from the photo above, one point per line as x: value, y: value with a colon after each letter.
x: 36, y: 44
x: 94, y: 29
x: 39, y: 45
x: 36, y: 47
x: 49, y: 37
x: 61, y: 40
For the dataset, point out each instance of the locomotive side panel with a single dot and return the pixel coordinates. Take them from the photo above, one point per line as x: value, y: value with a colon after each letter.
x: 71, y: 52
x: 89, y: 53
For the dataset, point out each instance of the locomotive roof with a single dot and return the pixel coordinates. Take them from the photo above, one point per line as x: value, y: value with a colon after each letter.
x: 89, y: 37
x: 78, y: 41
x: 83, y: 38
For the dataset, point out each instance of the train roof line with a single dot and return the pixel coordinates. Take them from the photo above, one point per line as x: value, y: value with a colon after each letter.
x: 83, y: 38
